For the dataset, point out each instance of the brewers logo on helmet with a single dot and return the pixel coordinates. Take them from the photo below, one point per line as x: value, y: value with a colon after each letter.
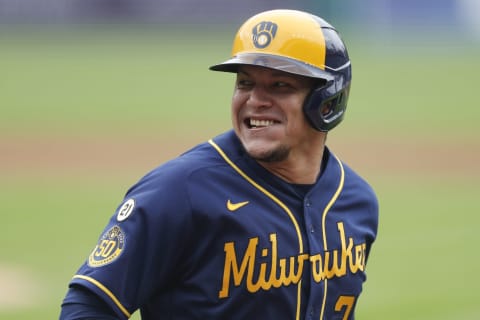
x: 303, y: 44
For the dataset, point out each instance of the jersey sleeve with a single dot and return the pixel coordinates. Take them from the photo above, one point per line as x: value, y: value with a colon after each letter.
x: 80, y: 303
x: 144, y: 239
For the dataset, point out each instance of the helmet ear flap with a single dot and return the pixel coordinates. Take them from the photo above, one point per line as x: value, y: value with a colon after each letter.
x: 325, y: 106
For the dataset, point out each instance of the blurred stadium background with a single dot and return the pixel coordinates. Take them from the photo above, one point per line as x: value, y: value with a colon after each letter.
x: 94, y: 93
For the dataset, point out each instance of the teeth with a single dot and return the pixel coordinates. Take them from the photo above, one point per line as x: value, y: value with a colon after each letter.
x: 260, y: 123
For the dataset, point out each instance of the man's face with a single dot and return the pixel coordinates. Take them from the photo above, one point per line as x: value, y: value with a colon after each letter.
x: 267, y: 113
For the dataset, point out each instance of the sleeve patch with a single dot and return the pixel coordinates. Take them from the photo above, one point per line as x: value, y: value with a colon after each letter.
x: 125, y: 210
x: 109, y: 247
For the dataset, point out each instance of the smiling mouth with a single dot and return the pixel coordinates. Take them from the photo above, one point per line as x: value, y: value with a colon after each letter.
x: 254, y: 123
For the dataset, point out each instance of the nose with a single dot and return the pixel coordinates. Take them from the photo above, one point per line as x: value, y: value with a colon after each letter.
x: 259, y: 97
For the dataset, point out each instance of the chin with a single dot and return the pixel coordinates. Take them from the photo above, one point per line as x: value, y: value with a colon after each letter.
x: 269, y: 155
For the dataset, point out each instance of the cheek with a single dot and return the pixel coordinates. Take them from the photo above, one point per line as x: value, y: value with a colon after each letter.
x: 236, y: 106
x: 296, y: 115
x: 239, y: 99
x: 235, y: 101
x: 297, y: 127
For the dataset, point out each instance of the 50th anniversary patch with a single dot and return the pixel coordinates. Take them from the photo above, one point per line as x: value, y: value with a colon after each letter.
x: 110, y: 246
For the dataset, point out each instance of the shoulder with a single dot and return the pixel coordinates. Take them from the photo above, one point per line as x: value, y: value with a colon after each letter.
x: 176, y: 171
x: 357, y: 182
x: 355, y: 188
x: 350, y: 178
x: 165, y: 198
x: 356, y: 198
x: 172, y: 180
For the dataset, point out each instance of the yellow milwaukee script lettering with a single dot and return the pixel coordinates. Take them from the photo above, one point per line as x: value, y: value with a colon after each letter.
x: 274, y: 272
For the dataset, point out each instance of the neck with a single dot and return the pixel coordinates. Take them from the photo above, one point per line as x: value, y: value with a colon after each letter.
x: 297, y: 169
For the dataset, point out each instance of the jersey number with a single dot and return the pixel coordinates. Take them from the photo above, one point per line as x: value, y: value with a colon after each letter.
x: 345, y: 302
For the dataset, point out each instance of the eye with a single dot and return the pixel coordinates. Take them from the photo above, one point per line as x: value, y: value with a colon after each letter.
x: 244, y: 83
x: 281, y: 84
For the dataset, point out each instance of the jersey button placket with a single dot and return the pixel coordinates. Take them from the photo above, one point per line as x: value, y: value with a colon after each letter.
x: 307, y: 205
x: 312, y: 239
x: 307, y: 202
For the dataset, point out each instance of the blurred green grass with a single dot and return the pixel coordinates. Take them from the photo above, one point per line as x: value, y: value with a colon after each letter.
x: 113, y: 79
x: 122, y: 84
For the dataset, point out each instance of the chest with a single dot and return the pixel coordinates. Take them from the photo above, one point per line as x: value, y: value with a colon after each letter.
x: 269, y: 234
x: 250, y: 241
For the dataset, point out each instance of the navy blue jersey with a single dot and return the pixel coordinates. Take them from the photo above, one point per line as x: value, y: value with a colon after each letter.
x: 213, y: 235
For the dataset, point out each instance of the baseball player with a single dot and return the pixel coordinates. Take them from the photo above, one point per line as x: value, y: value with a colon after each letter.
x: 260, y: 222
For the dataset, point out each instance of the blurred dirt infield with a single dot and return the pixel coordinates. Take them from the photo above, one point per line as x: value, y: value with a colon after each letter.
x: 19, y: 287
x: 56, y: 156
